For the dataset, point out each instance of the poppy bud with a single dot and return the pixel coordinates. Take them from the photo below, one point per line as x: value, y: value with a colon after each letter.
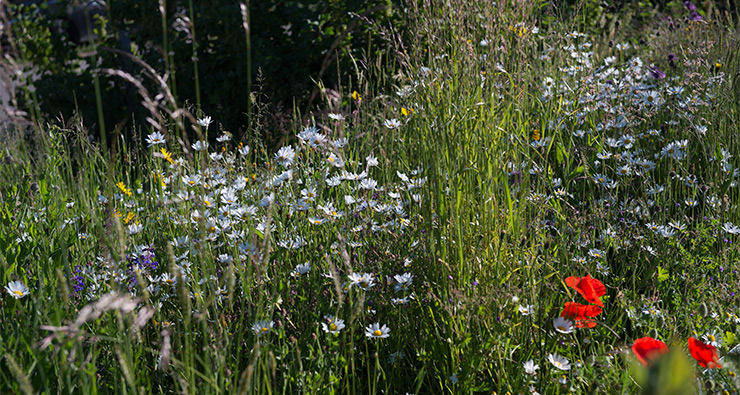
x: 703, y: 310
x: 653, y: 333
x: 659, y: 321
x: 711, y: 385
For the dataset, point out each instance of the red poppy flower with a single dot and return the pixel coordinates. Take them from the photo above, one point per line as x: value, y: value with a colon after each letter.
x: 647, y: 349
x: 589, y: 287
x: 581, y: 314
x: 705, y: 354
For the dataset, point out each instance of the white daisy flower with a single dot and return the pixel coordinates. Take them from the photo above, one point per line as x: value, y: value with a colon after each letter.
x: 17, y: 289
x: 530, y: 367
x: 559, y: 362
x: 392, y: 123
x: 375, y: 331
x: 205, y: 122
x: 563, y: 325
x: 155, y: 139
x: 262, y: 327
x: 332, y: 325
x: 200, y: 145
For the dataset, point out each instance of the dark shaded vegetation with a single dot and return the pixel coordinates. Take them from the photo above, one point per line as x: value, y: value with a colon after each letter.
x: 201, y: 49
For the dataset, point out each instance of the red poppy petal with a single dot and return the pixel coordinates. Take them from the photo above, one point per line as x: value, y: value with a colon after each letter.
x: 592, y: 311
x: 589, y: 293
x: 572, y: 310
x: 581, y: 314
x: 572, y: 282
x: 590, y: 288
x: 585, y: 323
x: 647, y: 349
x: 596, y: 285
x: 705, y: 354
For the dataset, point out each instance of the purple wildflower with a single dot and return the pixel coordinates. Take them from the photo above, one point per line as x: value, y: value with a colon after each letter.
x: 78, y: 281
x: 142, y: 261
x: 657, y: 73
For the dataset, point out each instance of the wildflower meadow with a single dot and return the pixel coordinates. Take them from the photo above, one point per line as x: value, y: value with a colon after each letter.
x: 514, y: 198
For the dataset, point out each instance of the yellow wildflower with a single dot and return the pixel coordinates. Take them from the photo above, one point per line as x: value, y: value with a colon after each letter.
x: 167, y: 155
x: 123, y: 188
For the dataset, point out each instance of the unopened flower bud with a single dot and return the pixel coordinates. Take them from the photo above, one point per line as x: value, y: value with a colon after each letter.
x: 703, y: 310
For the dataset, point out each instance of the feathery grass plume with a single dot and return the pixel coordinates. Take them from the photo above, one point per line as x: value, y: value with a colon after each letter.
x: 266, y: 247
x: 155, y: 120
x: 230, y: 283
x: 165, y: 351
x: 63, y: 288
x: 272, y: 362
x: 125, y: 368
x: 142, y: 284
x: 109, y: 302
x: 172, y: 109
x: 245, y: 379
x: 20, y: 376
x: 142, y: 317
x: 345, y: 255
x: 335, y: 280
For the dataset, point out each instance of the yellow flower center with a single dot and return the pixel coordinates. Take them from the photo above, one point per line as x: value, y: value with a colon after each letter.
x: 363, y: 284
x: 377, y: 333
x: 19, y: 293
x: 333, y: 326
x: 264, y: 329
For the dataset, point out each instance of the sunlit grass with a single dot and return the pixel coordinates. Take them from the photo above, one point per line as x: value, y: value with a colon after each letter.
x: 522, y: 205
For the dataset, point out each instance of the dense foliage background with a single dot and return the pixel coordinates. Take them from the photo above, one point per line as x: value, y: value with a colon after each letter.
x: 512, y: 197
x: 201, y: 48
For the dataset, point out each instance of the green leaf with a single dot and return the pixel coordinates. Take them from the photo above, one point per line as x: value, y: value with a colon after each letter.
x: 560, y: 153
x: 730, y: 338
x: 663, y: 274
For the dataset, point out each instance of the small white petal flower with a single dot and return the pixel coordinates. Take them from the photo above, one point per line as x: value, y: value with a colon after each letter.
x: 205, y: 121
x: 563, y: 325
x: 375, y: 331
x: 530, y: 367
x: 392, y: 123
x: 200, y: 145
x: 262, y: 327
x: 526, y: 310
x: 155, y: 138
x: 332, y: 325
x: 559, y: 362
x: 17, y: 289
